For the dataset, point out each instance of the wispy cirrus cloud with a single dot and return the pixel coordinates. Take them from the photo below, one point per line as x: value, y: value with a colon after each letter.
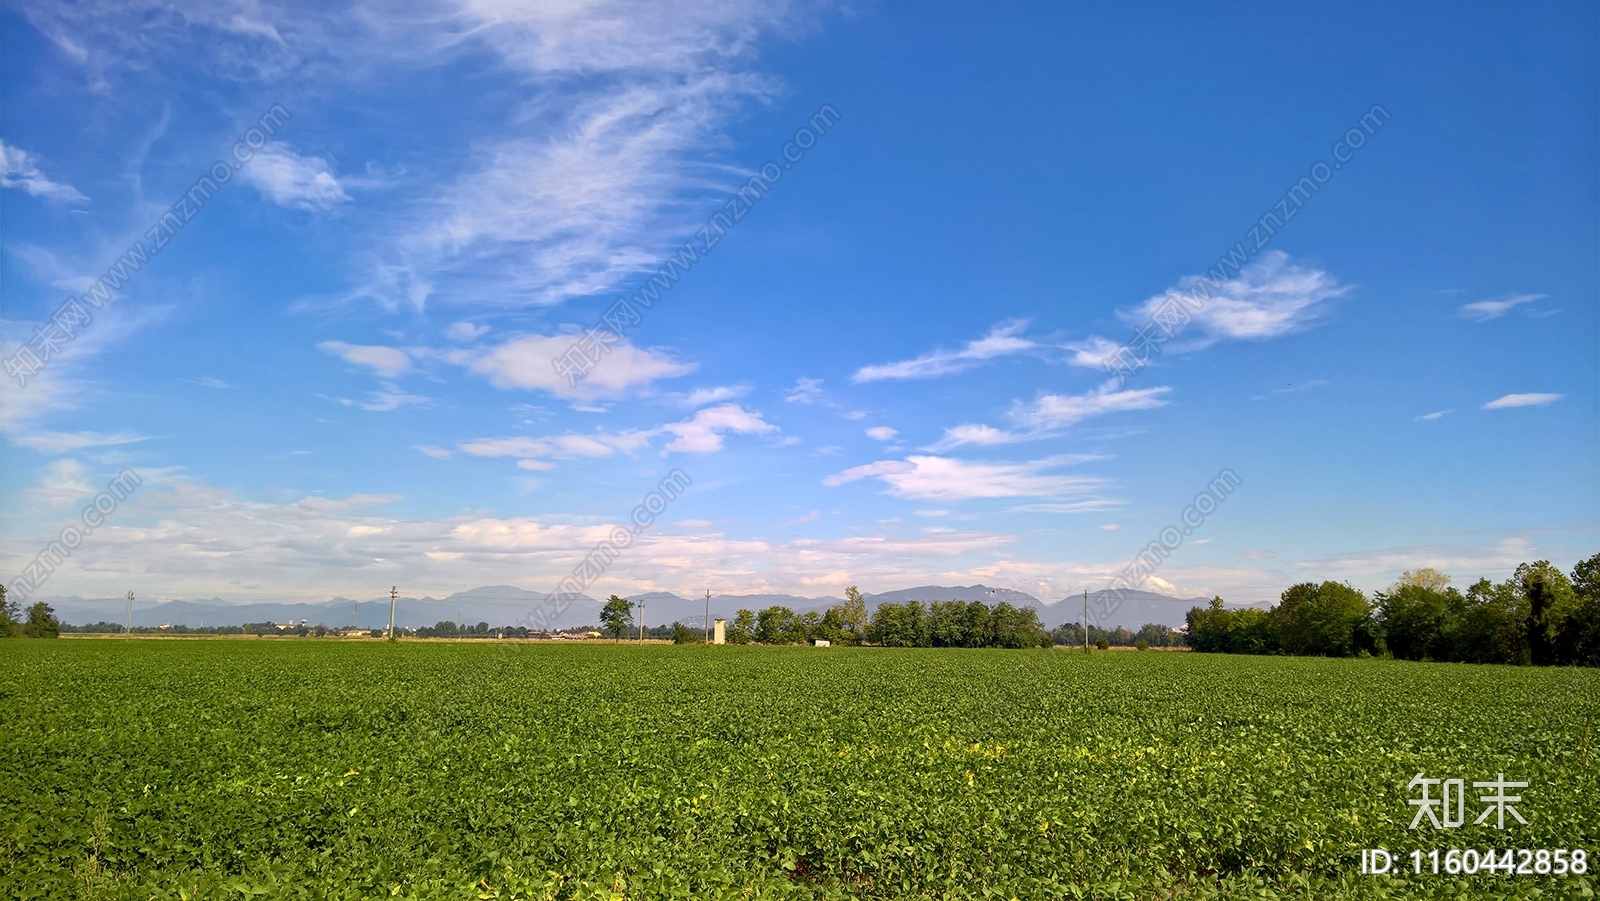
x: 1485, y: 310
x: 1271, y: 297
x: 1002, y: 340
x: 922, y: 477
x: 388, y: 398
x: 1050, y: 414
x: 20, y: 169
x: 1522, y: 400
x: 702, y: 433
x: 47, y: 442
x: 536, y: 453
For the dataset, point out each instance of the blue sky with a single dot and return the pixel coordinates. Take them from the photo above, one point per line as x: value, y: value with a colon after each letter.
x: 336, y: 375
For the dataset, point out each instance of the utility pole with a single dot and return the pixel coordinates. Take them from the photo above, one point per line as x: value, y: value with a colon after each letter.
x: 1086, y: 620
x: 356, y: 622
x: 708, y: 616
x: 394, y: 594
x: 641, y: 620
x: 127, y: 628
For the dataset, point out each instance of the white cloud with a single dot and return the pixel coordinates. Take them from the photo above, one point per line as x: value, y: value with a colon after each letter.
x: 527, y: 363
x: 881, y: 433
x: 1001, y: 340
x: 1485, y: 310
x: 292, y: 180
x: 388, y: 362
x: 1435, y: 415
x: 534, y: 453
x: 1093, y: 352
x: 438, y: 453
x: 62, y: 482
x: 1057, y: 411
x: 1109, y: 527
x: 604, y: 164
x: 702, y: 433
x: 701, y: 397
x: 805, y: 391
x: 465, y: 332
x: 1269, y: 298
x: 946, y: 479
x: 1522, y: 400
x: 64, y: 442
x: 1051, y: 413
x: 813, y: 516
x: 390, y: 397
x: 21, y: 170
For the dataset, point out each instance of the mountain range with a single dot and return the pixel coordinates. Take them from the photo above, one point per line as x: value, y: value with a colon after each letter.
x: 501, y: 605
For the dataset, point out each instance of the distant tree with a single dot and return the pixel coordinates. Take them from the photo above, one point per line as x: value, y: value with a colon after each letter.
x: 1208, y: 627
x: 1141, y: 645
x: 899, y: 625
x: 977, y: 626
x: 1491, y: 627
x: 1413, y: 618
x: 8, y: 615
x: 779, y: 625
x: 743, y: 629
x: 1548, y: 600
x: 947, y: 624
x: 1017, y: 628
x: 853, y: 614
x: 42, y: 622
x: 831, y: 627
x: 1580, y: 638
x: 1327, y: 620
x: 1427, y: 577
x: 1103, y: 644
x: 1156, y: 635
x: 682, y: 634
x: 616, y: 617
x: 1250, y: 631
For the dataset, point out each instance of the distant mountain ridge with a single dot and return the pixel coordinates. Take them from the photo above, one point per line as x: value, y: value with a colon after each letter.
x: 508, y: 605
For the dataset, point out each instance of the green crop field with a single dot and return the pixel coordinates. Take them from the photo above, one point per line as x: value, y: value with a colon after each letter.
x: 306, y: 769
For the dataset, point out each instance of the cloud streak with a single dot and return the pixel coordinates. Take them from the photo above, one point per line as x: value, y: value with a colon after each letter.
x: 923, y: 477
x: 1004, y: 339
x: 1485, y: 310
x: 20, y: 169
x: 1051, y: 414
x: 1522, y: 400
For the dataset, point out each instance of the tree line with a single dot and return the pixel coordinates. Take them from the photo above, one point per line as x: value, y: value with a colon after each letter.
x: 38, y: 621
x: 1540, y: 616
